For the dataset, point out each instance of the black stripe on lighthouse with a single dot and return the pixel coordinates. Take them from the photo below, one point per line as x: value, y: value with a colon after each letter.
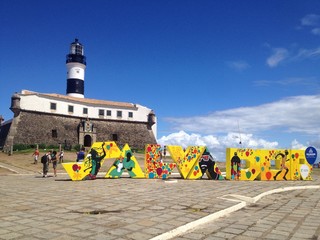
x: 75, y: 86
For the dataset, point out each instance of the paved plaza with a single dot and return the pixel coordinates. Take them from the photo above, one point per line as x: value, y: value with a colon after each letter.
x: 32, y: 207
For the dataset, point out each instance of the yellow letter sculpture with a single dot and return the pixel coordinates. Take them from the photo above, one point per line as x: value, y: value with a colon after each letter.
x: 79, y: 170
x: 187, y: 161
x: 263, y: 164
x: 126, y: 161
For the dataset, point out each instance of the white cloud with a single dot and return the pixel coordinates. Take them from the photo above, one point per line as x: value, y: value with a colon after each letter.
x: 310, y: 20
x: 215, y: 144
x: 278, y: 55
x: 316, y: 31
x: 296, y: 145
x: 183, y: 139
x: 293, y: 114
x: 307, y: 53
x: 311, y: 82
x: 315, y: 143
x: 239, y: 65
x: 222, y: 129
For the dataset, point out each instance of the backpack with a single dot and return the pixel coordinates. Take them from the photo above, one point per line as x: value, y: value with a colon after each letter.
x: 44, y: 159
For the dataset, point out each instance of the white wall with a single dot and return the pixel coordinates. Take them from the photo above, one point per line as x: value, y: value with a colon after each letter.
x: 41, y: 103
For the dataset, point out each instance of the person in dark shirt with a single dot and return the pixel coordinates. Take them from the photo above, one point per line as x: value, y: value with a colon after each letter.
x: 54, y: 161
x: 81, y: 155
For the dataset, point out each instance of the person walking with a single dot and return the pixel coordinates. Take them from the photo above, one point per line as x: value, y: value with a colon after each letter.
x: 61, y: 156
x: 54, y: 161
x: 35, y: 155
x: 45, y: 159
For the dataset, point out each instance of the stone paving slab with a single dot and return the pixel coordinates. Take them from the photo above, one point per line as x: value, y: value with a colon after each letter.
x: 32, y: 207
x: 270, y: 218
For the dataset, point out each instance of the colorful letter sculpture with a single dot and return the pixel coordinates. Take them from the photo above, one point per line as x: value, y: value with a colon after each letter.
x: 154, y: 167
x: 187, y: 161
x: 126, y: 161
x: 262, y: 164
x: 105, y: 150
x: 80, y: 170
x: 241, y: 163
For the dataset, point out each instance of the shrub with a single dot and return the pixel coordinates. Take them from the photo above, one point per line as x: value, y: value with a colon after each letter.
x: 52, y: 147
x: 19, y: 147
x: 77, y: 147
x: 42, y: 146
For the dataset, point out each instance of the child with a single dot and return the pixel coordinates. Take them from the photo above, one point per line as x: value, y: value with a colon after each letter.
x: 36, y: 155
x: 61, y: 157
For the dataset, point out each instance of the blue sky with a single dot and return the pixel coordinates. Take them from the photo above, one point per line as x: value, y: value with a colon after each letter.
x: 215, y: 72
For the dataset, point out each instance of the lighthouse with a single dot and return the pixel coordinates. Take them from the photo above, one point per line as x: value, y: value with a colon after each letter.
x: 76, y: 65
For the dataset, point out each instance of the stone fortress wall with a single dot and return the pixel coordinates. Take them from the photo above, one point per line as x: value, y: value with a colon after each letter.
x: 51, y: 129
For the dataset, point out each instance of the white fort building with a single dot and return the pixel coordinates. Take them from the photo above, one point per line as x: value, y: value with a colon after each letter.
x: 71, y: 119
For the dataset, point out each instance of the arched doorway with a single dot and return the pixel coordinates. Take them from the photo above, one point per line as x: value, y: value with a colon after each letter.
x: 87, y: 141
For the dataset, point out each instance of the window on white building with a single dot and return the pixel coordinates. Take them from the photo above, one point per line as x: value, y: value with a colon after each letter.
x: 101, y: 112
x: 109, y: 113
x: 130, y: 114
x: 119, y: 114
x: 85, y: 110
x: 70, y: 109
x: 53, y: 106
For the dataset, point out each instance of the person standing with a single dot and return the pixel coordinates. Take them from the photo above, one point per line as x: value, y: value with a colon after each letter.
x: 81, y: 155
x: 54, y: 161
x: 35, y: 155
x: 61, y: 156
x: 45, y: 159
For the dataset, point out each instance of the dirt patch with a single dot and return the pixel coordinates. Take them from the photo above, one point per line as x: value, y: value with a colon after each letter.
x: 26, y: 161
x: 4, y: 171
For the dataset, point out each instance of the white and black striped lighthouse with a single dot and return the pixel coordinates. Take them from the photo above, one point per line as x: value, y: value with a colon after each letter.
x: 76, y: 65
